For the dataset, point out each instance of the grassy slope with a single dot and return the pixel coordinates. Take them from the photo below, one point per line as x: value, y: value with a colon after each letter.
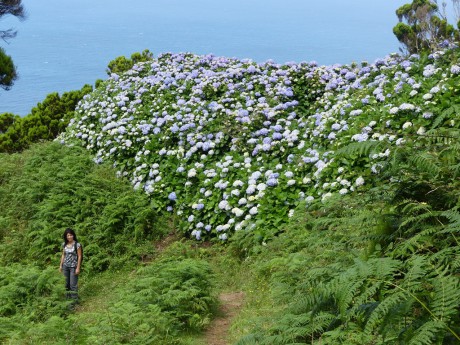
x: 27, y: 176
x: 315, y: 245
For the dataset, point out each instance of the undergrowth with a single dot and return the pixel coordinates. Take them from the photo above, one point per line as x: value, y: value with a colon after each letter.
x: 50, y: 187
x: 378, y: 268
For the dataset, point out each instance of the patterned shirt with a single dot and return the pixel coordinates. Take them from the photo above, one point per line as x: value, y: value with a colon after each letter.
x: 70, y: 255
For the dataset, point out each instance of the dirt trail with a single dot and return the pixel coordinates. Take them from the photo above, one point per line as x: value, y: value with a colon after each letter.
x: 230, y: 304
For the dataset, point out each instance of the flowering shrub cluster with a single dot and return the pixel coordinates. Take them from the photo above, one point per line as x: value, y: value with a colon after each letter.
x: 231, y: 145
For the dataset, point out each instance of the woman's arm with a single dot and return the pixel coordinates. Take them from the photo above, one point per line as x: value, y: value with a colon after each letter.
x: 62, y: 261
x: 77, y: 270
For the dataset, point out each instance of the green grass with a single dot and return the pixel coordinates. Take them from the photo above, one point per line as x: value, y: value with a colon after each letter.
x: 97, y: 293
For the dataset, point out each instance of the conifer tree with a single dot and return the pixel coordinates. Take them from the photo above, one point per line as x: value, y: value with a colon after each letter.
x: 8, y: 72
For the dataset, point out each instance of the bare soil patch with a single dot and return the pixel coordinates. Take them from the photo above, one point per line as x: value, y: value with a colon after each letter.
x: 230, y: 304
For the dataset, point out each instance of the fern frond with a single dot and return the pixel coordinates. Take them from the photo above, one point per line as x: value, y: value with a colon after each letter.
x: 455, y: 263
x: 415, y: 243
x: 426, y: 334
x: 445, y: 114
x: 414, y: 208
x: 425, y: 162
x: 455, y: 170
x: 349, y: 289
x: 453, y: 215
x: 293, y: 327
x: 320, y: 296
x: 417, y: 268
x: 320, y: 322
x: 364, y: 148
x: 250, y: 339
x: 446, y: 298
x: 446, y: 257
x: 449, y: 155
x: 381, y: 311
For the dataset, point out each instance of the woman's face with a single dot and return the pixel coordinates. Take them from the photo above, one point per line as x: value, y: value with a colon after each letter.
x: 69, y: 237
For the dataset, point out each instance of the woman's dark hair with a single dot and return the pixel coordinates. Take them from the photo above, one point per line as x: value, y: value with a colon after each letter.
x: 69, y: 231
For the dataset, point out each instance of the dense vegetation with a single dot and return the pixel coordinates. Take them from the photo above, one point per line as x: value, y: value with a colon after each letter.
x: 328, y: 194
x: 232, y: 145
x: 45, y: 122
x: 49, y: 188
x: 362, y: 248
x: 378, y: 268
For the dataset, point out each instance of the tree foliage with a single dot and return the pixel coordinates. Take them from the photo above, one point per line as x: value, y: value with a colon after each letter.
x: 8, y: 72
x: 122, y: 64
x: 423, y: 26
x: 46, y: 120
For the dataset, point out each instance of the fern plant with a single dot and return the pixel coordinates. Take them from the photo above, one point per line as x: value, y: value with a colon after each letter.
x: 404, y: 288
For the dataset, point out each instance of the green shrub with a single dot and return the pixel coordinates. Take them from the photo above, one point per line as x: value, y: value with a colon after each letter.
x: 381, y: 268
x: 181, y: 289
x: 31, y: 297
x: 122, y: 64
x: 52, y: 187
x: 46, y: 120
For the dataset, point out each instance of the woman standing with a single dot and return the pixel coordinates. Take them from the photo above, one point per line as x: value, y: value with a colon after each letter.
x: 71, y: 262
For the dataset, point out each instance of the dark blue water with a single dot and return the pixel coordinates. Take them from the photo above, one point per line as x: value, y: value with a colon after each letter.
x: 64, y: 44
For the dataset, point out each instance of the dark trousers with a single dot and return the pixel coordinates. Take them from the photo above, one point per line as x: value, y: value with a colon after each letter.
x: 71, y: 281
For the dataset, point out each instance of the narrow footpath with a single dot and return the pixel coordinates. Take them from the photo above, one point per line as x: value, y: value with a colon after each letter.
x: 230, y: 304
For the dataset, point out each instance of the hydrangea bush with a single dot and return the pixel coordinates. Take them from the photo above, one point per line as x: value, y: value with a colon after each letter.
x: 234, y: 145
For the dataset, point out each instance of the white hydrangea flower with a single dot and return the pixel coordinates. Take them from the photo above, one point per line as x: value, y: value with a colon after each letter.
x: 359, y: 181
x: 309, y: 199
x: 306, y: 180
x: 435, y: 89
x: 223, y: 204
x: 407, y: 125
x: 400, y: 141
x: 251, y: 189
x: 238, y: 183
x: 427, y: 96
x: 326, y: 196
x: 253, y: 210
x: 394, y: 110
x: 237, y: 211
x: 261, y: 186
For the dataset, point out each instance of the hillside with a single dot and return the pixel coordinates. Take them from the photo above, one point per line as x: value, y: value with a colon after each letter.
x: 328, y: 195
x: 230, y: 145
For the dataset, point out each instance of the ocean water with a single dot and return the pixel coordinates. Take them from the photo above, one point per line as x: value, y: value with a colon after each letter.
x: 64, y: 44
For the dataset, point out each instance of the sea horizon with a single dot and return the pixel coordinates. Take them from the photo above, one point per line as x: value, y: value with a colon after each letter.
x: 63, y: 45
